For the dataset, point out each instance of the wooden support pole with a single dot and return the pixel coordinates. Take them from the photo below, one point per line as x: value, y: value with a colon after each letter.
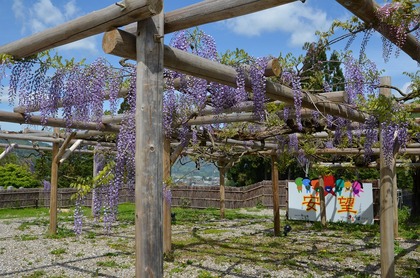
x: 322, y: 205
x: 395, y: 198
x: 149, y: 145
x: 167, y: 229
x: 121, y: 43
x: 8, y: 149
x: 71, y: 150
x: 222, y: 171
x: 386, y: 211
x: 276, y: 198
x: 223, y: 118
x: 53, y: 191
x: 366, y: 11
x: 91, y: 24
x: 57, y: 154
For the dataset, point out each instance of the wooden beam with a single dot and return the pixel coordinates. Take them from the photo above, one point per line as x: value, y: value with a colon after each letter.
x: 39, y: 148
x: 71, y: 149
x: 116, y: 15
x: 12, y: 117
x: 223, y: 118
x: 149, y: 145
x: 18, y: 136
x: 50, y: 139
x: 63, y: 147
x: 212, y: 11
x: 121, y: 43
x: 366, y: 11
x: 8, y: 149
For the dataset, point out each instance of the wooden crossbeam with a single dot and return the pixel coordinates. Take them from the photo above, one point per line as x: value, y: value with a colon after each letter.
x: 121, y: 43
x: 91, y: 24
x: 211, y: 11
x: 366, y: 11
x: 12, y: 117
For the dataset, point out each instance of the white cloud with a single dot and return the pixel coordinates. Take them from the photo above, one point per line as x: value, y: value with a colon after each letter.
x: 88, y: 44
x: 47, y: 13
x: 18, y: 9
x: 39, y: 15
x: 70, y: 9
x: 298, y: 20
x: 406, y: 87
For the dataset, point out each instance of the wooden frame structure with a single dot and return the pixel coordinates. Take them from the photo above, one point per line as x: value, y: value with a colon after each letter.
x: 146, y: 47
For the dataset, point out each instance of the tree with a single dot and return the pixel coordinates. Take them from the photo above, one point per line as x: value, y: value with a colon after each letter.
x: 249, y: 170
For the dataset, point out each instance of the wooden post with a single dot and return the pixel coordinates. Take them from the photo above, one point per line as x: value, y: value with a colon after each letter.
x: 276, y: 200
x: 149, y: 145
x: 322, y: 202
x: 395, y: 198
x: 53, y: 191
x: 8, y: 149
x: 167, y: 229
x: 222, y: 171
x: 56, y: 155
x: 386, y: 211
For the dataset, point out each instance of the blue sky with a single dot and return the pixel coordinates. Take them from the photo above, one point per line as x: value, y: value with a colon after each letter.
x: 278, y: 30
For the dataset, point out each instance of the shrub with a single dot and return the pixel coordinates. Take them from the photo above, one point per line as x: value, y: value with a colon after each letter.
x: 17, y: 176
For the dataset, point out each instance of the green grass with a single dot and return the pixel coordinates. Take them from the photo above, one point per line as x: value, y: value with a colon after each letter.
x: 26, y: 237
x: 23, y: 213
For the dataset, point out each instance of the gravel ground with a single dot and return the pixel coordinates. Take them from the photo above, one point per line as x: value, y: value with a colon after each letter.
x: 211, y: 249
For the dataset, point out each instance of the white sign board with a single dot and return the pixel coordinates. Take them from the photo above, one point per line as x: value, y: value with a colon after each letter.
x: 350, y: 202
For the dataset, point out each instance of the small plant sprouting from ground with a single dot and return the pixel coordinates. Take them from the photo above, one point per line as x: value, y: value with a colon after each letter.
x: 62, y: 232
x: 58, y: 251
x: 26, y: 237
x: 205, y: 274
x: 112, y: 264
x: 36, y: 274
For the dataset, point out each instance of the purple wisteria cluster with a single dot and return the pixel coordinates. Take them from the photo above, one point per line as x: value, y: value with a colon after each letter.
x: 290, y: 77
x: 80, y: 89
x: 394, y: 137
x: 362, y: 79
x: 78, y: 215
x: 371, y: 135
x: 393, y: 18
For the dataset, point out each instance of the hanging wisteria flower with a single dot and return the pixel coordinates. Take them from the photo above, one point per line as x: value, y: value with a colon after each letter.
x: 396, y: 19
x: 258, y: 85
x: 371, y: 136
x: 294, y: 80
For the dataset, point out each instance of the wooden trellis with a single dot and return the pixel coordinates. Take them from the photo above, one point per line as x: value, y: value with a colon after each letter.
x: 146, y: 47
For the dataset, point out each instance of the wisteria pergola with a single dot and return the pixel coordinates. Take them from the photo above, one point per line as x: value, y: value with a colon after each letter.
x: 143, y: 42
